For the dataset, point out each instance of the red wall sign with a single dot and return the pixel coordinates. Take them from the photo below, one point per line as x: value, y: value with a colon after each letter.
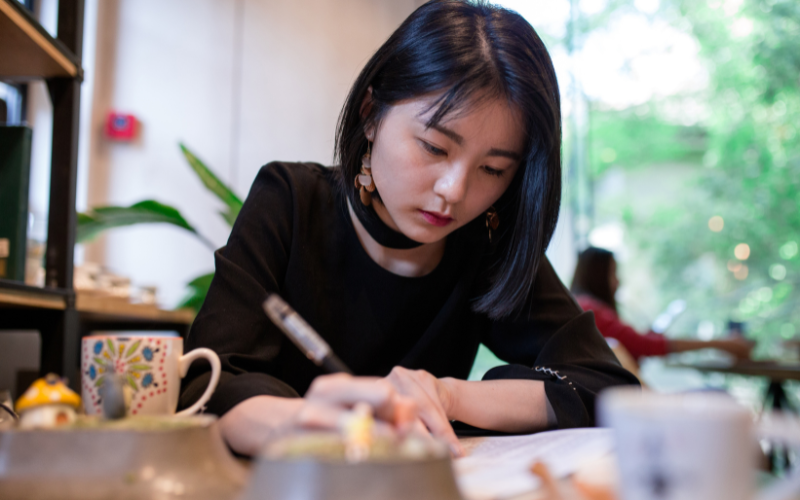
x: 121, y: 127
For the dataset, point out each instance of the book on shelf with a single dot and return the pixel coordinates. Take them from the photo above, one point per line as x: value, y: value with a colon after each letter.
x: 15, y: 166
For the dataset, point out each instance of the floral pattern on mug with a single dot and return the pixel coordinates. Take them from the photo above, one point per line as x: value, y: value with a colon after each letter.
x: 137, y: 361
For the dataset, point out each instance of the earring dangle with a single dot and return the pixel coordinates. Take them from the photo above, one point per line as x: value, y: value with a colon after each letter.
x: 363, y: 180
x: 492, y: 221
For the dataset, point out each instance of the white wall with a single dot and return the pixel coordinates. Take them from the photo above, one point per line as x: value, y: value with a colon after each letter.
x: 174, y: 65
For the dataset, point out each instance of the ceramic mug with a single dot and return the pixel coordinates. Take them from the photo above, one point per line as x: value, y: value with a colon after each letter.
x: 151, y: 367
x: 681, y: 446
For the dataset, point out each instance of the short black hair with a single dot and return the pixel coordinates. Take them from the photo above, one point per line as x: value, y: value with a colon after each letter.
x: 471, y: 51
x: 592, y: 276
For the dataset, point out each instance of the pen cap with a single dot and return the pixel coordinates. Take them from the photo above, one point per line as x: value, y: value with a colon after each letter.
x: 295, y: 327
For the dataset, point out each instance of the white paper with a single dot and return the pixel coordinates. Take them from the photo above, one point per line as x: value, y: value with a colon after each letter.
x: 499, y: 467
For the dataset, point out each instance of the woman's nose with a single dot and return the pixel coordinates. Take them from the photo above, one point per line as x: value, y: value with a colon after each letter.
x: 452, y: 184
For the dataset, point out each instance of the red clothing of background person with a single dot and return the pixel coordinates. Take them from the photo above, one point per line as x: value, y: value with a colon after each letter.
x: 594, y: 285
x: 609, y: 324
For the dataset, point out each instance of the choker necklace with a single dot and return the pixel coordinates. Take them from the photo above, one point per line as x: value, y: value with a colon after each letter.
x: 380, y: 232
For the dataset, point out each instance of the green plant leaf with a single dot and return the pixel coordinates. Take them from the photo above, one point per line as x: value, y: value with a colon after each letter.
x: 215, y: 185
x: 198, y: 289
x: 148, y: 211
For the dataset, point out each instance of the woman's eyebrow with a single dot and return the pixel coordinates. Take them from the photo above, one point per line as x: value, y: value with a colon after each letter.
x: 458, y: 139
x: 504, y: 153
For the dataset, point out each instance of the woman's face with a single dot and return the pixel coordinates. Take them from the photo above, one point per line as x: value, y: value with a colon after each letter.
x: 435, y: 180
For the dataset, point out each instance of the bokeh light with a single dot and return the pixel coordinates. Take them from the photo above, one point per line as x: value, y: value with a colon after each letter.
x: 777, y: 271
x: 787, y: 330
x: 716, y: 223
x: 741, y: 273
x: 788, y: 250
x: 742, y: 251
x: 734, y: 265
x: 705, y: 330
x: 608, y: 155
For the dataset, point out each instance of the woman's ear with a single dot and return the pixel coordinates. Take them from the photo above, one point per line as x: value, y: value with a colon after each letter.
x: 366, y: 107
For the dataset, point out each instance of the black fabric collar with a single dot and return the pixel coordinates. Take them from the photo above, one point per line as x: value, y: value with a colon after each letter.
x: 380, y: 232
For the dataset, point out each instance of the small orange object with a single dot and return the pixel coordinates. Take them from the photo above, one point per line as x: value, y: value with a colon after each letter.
x: 548, y: 482
x: 405, y: 413
x: 597, y: 480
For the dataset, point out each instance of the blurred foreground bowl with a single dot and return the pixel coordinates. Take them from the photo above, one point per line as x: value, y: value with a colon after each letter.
x: 129, y: 459
x: 428, y: 476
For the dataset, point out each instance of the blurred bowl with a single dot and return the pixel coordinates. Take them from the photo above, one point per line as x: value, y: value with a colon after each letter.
x: 135, y: 458
x: 428, y: 477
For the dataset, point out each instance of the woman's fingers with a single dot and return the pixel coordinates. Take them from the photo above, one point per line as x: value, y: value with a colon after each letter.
x: 342, y: 390
x: 401, y: 399
x: 323, y: 416
x: 440, y: 427
x: 420, y: 428
x: 422, y: 388
x: 319, y: 416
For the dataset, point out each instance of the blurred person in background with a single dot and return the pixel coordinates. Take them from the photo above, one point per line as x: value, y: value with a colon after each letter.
x: 594, y: 286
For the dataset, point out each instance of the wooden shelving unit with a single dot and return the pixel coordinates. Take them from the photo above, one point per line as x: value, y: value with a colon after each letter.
x: 28, y: 52
x: 15, y: 295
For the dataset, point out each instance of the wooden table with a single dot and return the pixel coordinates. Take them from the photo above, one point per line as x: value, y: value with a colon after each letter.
x: 776, y: 372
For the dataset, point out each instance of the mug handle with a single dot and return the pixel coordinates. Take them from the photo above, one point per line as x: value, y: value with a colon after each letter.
x: 183, y: 368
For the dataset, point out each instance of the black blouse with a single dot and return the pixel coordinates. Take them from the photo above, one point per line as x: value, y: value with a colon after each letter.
x: 294, y: 236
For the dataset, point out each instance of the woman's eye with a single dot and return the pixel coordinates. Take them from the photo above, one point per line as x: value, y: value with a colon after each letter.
x: 493, y: 171
x: 433, y: 149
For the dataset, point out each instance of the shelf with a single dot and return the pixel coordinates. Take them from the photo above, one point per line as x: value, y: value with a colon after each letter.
x: 104, y: 308
x: 27, y: 51
x: 18, y: 295
x: 90, y: 306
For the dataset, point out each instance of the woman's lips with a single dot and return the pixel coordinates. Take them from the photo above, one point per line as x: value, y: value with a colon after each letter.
x: 435, y: 219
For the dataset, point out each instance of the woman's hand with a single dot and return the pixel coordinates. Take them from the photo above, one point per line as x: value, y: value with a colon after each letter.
x: 434, y: 401
x: 330, y: 396
x: 253, y: 422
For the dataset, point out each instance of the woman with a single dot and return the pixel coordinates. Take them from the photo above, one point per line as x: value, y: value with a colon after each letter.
x: 595, y: 283
x: 427, y: 240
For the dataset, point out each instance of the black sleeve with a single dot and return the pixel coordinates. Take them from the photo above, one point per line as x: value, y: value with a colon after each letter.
x: 558, y: 343
x: 231, y: 321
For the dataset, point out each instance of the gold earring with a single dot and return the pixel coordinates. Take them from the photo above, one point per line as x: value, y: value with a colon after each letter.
x: 492, y: 221
x: 363, y: 181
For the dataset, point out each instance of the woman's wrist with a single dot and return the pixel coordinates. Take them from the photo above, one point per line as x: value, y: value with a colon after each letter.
x: 449, y: 395
x: 251, y: 423
x: 500, y: 405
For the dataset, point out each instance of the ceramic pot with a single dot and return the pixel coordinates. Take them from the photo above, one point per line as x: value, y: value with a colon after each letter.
x: 428, y: 479
x: 179, y: 461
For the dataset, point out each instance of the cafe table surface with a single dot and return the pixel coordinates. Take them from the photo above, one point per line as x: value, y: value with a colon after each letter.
x: 777, y: 372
